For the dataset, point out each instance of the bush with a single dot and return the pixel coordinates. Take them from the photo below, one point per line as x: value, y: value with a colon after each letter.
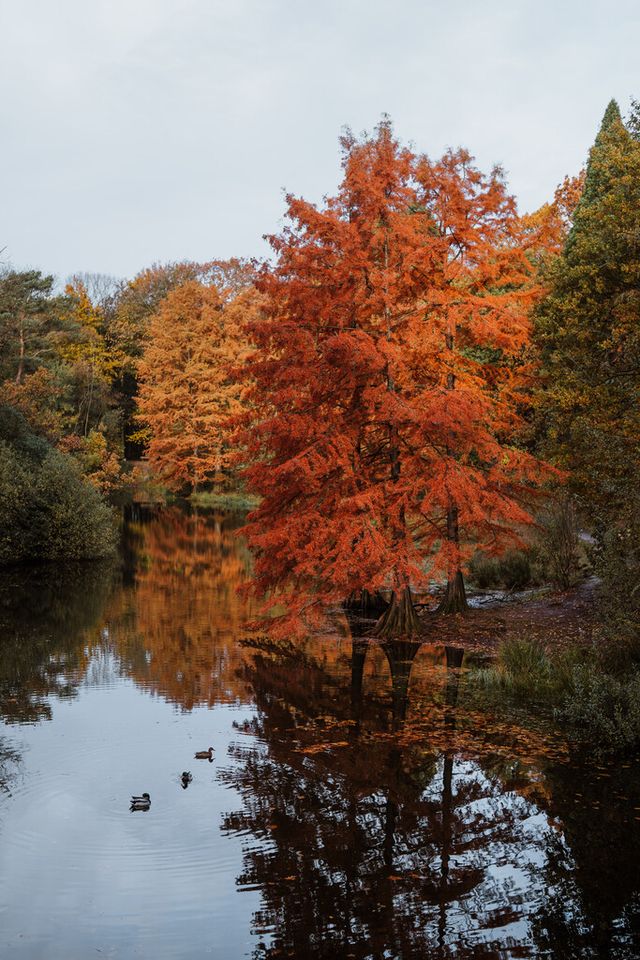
x: 515, y: 570
x: 601, y: 707
x: 524, y: 659
x: 560, y: 543
x: 15, y: 497
x: 521, y: 666
x: 69, y: 517
x: 604, y: 709
x: 512, y: 571
x: 617, y: 562
x: 47, y: 511
x: 483, y: 571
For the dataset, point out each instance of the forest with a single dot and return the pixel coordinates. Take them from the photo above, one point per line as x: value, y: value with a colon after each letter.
x: 423, y: 391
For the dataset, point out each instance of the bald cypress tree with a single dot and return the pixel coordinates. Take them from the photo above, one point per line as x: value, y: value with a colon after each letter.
x: 589, y: 330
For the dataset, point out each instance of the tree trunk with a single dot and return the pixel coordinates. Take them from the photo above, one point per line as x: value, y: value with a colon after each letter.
x: 20, y: 372
x: 400, y: 619
x: 455, y: 597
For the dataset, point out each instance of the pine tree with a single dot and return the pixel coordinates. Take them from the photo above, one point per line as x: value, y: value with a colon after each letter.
x: 28, y: 312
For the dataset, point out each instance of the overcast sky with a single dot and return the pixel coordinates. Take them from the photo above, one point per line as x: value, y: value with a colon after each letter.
x: 136, y: 131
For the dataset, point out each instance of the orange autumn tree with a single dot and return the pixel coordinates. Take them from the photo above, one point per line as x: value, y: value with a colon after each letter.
x: 386, y: 378
x: 547, y: 228
x: 186, y: 391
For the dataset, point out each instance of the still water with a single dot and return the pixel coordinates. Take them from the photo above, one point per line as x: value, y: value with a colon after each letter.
x: 363, y: 801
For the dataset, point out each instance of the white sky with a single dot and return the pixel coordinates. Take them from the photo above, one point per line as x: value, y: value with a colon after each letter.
x: 135, y: 131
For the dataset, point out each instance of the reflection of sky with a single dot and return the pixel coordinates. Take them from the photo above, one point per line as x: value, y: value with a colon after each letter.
x: 507, y: 839
x: 516, y: 865
x: 79, y: 872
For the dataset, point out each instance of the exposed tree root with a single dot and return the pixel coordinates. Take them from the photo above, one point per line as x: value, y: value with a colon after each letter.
x: 455, y: 597
x: 400, y: 619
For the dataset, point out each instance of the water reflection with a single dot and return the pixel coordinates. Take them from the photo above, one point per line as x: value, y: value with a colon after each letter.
x: 379, y: 843
x: 372, y: 806
x: 176, y: 622
x: 46, y: 615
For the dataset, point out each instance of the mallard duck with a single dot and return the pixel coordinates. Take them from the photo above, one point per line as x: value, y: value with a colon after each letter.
x: 140, y: 803
x: 186, y: 779
x: 205, y: 755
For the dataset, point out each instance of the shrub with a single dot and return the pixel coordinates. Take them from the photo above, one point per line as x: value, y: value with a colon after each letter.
x: 512, y: 571
x: 515, y: 570
x: 47, y: 510
x: 521, y: 666
x: 559, y: 541
x: 14, y: 506
x: 617, y: 561
x: 69, y: 518
x: 605, y: 710
x: 483, y: 571
x: 525, y: 659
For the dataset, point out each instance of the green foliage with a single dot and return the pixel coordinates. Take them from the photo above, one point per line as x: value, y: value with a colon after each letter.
x: 47, y: 510
x: 229, y: 500
x: 617, y: 562
x: 604, y: 710
x: 69, y: 519
x: 484, y: 571
x: 515, y: 569
x: 588, y: 328
x: 512, y: 571
x: 524, y: 658
x: 595, y: 691
x: 14, y: 505
x: 27, y: 313
x: 559, y: 542
x: 522, y: 666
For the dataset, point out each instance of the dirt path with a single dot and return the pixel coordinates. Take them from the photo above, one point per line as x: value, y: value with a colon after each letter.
x: 555, y: 619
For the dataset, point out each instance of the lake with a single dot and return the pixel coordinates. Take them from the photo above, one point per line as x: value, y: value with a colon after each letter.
x: 363, y: 801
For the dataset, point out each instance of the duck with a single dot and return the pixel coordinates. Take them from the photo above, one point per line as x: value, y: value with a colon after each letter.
x: 140, y: 803
x: 204, y: 755
x: 185, y: 779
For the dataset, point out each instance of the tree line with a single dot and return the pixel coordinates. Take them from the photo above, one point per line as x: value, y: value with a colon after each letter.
x: 406, y: 384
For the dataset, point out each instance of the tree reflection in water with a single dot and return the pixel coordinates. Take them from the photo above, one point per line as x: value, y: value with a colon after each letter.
x: 177, y: 620
x: 393, y: 814
x: 376, y: 843
x: 46, y: 618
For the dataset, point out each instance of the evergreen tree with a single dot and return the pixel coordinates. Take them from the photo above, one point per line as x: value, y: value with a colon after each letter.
x: 589, y: 329
x: 28, y: 310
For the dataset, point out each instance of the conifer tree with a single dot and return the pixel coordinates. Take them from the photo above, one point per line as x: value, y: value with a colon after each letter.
x: 589, y: 330
x: 186, y: 391
x: 28, y: 311
x: 383, y: 412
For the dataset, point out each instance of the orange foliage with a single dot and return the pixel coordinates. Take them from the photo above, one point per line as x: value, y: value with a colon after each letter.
x: 187, y: 613
x: 186, y: 392
x: 142, y: 296
x: 548, y: 227
x: 385, y: 379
